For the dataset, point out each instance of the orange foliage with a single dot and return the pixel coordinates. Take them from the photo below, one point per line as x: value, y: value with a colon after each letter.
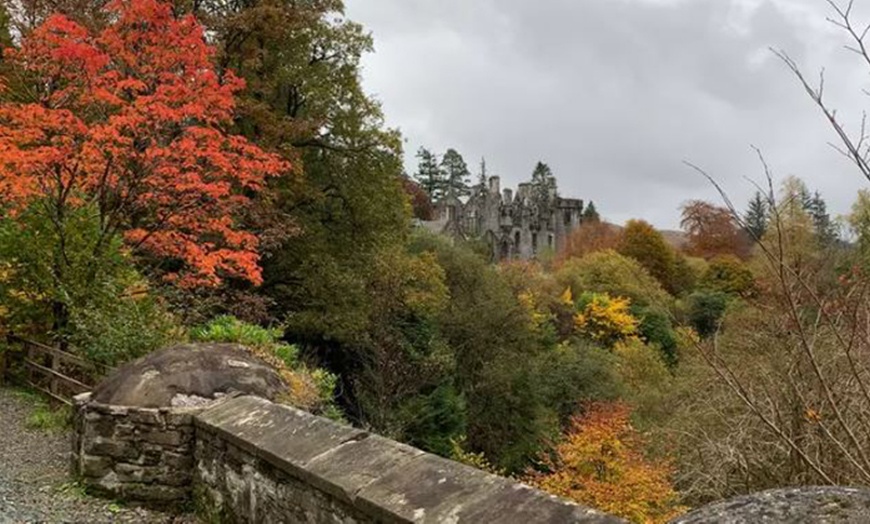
x: 131, y: 119
x: 590, y: 237
x: 713, y: 231
x: 600, y: 463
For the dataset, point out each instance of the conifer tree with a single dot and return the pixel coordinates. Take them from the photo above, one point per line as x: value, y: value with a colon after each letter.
x: 543, y: 181
x: 455, y: 172
x: 429, y: 174
x: 826, y: 230
x: 756, y: 216
x: 590, y: 214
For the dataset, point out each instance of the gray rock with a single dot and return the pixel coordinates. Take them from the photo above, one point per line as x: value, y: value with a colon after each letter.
x: 786, y: 506
x: 188, y: 373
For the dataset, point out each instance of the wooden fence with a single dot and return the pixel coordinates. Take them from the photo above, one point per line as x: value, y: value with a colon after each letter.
x: 59, y: 374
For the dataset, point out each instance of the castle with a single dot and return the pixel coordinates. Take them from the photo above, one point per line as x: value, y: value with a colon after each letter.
x: 517, y: 226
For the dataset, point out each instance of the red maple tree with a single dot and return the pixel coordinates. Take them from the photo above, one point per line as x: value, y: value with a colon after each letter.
x: 133, y: 120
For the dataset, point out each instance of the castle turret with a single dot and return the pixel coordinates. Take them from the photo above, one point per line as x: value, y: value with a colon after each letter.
x: 494, y: 185
x: 508, y: 197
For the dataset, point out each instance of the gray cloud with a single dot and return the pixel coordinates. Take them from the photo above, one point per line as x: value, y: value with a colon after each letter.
x: 615, y: 94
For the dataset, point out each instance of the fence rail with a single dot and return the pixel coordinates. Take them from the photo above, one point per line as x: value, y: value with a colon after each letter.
x: 56, y: 373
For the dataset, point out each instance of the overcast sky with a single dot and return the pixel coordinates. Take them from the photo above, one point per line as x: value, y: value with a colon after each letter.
x: 615, y: 94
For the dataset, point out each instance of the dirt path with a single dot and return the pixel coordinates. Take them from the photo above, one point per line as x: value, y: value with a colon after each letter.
x: 34, y: 481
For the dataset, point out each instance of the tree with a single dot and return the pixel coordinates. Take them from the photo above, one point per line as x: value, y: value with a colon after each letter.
x: 430, y: 174
x: 590, y: 214
x: 543, y: 183
x: 730, y: 275
x: 826, y: 230
x: 642, y: 242
x: 756, y: 216
x: 421, y: 206
x: 590, y: 237
x: 615, y: 274
x: 600, y: 462
x: 455, y: 172
x: 100, y: 126
x: 859, y: 223
x: 712, y: 231
x: 605, y: 319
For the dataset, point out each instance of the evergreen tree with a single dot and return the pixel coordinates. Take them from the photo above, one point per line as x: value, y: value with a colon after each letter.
x: 590, y: 214
x: 826, y: 230
x: 756, y: 216
x: 456, y: 173
x: 429, y: 174
x: 543, y: 182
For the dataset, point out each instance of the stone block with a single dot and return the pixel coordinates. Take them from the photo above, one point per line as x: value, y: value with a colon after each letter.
x: 345, y: 470
x: 144, y: 416
x: 118, y: 449
x: 427, y: 489
x: 95, y: 467
x: 164, y: 437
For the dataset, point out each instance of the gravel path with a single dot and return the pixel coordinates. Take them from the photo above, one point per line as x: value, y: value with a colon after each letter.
x: 34, y: 481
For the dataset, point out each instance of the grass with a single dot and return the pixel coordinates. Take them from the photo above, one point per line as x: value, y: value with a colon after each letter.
x: 43, y: 416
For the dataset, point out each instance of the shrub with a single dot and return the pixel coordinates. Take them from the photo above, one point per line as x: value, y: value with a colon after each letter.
x: 600, y: 462
x: 706, y: 311
x: 308, y: 389
x: 620, y: 276
x: 604, y: 319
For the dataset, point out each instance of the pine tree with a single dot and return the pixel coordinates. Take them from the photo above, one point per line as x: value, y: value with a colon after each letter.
x: 456, y: 173
x: 825, y: 229
x: 756, y: 217
x: 590, y: 214
x: 543, y: 182
x: 429, y: 174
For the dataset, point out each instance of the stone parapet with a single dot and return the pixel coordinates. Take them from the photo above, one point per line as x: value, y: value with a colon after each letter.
x: 143, y: 455
x: 262, y: 462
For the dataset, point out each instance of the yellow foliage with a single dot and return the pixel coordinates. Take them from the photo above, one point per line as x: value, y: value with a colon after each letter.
x: 600, y: 463
x: 567, y: 297
x: 606, y: 320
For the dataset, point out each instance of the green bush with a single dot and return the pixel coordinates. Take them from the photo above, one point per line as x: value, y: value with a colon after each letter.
x: 656, y: 328
x: 706, y: 310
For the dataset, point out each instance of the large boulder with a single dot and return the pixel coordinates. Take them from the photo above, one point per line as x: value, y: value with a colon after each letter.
x: 189, y: 374
x: 790, y: 505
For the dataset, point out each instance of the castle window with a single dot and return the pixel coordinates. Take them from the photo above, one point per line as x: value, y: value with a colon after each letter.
x: 567, y: 218
x: 535, y: 243
x: 517, y: 241
x: 550, y: 241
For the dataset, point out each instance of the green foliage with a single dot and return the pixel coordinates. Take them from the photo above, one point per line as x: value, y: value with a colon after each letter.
x: 114, y: 333
x: 434, y: 421
x: 615, y: 274
x: 456, y: 172
x: 230, y: 329
x: 68, y: 279
x: 590, y: 214
x: 42, y: 415
x: 706, y: 310
x: 430, y: 175
x: 643, y: 243
x: 657, y: 330
x: 757, y: 216
x: 728, y: 274
x: 488, y: 332
x: 574, y: 374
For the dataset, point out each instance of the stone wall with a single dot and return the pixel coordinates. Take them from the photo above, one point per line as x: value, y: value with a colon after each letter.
x: 138, y: 454
x: 261, y: 462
